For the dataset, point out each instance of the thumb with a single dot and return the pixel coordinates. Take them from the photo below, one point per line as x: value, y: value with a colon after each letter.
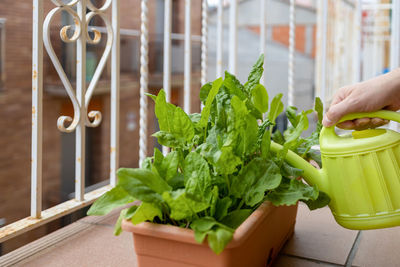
x: 335, y: 113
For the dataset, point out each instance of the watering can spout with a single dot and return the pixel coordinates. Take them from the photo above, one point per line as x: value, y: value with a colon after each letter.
x: 312, y: 175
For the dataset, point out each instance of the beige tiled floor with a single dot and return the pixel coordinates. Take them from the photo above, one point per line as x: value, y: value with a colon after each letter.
x: 317, y: 236
x: 318, y: 241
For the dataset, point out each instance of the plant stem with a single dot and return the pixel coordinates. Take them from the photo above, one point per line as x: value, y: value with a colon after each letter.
x: 240, y: 204
x: 174, y: 222
x: 228, y: 183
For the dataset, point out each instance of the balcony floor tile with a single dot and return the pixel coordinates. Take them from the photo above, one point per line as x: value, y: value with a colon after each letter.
x: 290, y: 261
x: 317, y: 236
x: 95, y: 246
x: 378, y: 248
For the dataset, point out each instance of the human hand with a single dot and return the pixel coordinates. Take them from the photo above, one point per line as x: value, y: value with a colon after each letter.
x: 382, y: 92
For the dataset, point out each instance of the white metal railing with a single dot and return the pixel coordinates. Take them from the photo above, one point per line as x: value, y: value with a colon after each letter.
x: 218, y: 66
x: 204, y: 22
x: 80, y: 97
x: 292, y: 41
x: 233, y: 36
x: 144, y: 77
x: 82, y: 12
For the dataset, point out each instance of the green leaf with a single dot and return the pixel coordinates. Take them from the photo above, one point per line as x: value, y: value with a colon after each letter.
x: 182, y: 125
x: 255, y: 74
x: 234, y: 86
x: 148, y: 178
x: 137, y: 189
x: 278, y: 137
x: 242, y: 182
x: 146, y: 164
x: 226, y: 161
x: 197, y: 175
x: 291, y: 113
x: 268, y: 178
x: 240, y: 110
x: 276, y: 108
x: 290, y: 191
x: 322, y: 200
x: 169, y: 165
x: 265, y: 144
x: 183, y: 207
x: 259, y: 98
x: 195, y: 117
x: 178, y: 181
x: 319, y: 108
x: 219, y: 238
x: 204, y: 91
x: 248, y: 175
x: 117, y: 227
x: 245, y: 126
x: 214, y: 200
x: 301, y: 126
x: 218, y: 235
x: 221, y: 209
x: 151, y: 96
x: 203, y: 224
x: 205, y: 113
x: 250, y: 135
x: 290, y: 171
x: 169, y: 139
x: 164, y: 112
x: 124, y: 214
x: 315, y: 155
x: 146, y: 212
x: 199, y: 236
x: 158, y: 159
x: 235, y: 218
x: 114, y: 198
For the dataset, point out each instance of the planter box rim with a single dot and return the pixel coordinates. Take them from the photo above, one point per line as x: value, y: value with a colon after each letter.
x: 186, y: 235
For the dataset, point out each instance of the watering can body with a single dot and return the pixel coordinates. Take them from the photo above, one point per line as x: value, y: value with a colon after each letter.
x: 360, y: 173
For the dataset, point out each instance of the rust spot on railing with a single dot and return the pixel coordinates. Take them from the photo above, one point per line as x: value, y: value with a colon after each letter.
x: 64, y: 34
x: 112, y: 149
x: 78, y: 159
x: 33, y: 110
x: 97, y: 36
x: 34, y: 74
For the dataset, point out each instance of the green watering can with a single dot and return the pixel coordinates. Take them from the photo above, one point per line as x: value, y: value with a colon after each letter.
x: 360, y: 173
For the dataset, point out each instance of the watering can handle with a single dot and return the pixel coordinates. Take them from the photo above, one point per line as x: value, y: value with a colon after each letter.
x: 383, y: 114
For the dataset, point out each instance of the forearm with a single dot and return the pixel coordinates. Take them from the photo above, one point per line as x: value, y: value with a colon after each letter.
x: 392, y: 81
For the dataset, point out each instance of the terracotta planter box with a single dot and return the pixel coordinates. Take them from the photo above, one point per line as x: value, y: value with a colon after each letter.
x: 255, y: 243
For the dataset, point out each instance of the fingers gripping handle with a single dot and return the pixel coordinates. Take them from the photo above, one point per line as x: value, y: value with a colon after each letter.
x: 383, y: 114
